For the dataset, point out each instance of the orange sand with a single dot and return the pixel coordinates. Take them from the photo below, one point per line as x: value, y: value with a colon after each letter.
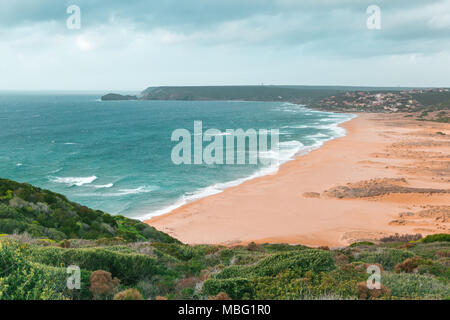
x: 276, y: 209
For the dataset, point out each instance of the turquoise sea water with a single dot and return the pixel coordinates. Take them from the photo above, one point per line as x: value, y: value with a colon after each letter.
x: 116, y: 156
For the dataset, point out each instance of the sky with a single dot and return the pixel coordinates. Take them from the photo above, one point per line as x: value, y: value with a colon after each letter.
x: 130, y: 45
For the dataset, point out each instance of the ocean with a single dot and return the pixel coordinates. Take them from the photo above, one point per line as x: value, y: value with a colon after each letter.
x: 115, y: 156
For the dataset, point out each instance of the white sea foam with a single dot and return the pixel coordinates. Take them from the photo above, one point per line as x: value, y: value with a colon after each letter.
x: 105, y: 186
x: 291, y: 108
x: 120, y: 192
x: 300, y: 126
x: 318, y: 135
x: 142, y: 189
x: 74, y: 181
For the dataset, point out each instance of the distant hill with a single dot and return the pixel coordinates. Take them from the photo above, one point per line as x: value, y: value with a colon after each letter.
x: 432, y: 102
x: 117, y: 97
x: 288, y: 93
x: 243, y: 93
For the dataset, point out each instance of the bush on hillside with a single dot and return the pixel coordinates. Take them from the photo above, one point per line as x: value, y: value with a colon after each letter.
x: 23, y: 280
x: 103, y: 286
x: 387, y: 257
x: 298, y: 262
x: 415, y: 286
x: 129, y: 294
x: 443, y: 237
x: 130, y: 268
x: 364, y: 293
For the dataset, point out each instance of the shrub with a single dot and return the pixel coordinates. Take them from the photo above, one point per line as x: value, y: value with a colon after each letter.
x: 341, y: 259
x: 186, y: 283
x: 277, y: 248
x: 409, y: 265
x: 66, y: 244
x: 220, y: 296
x: 129, y: 294
x: 237, y: 288
x: 361, y: 243
x: 286, y: 286
x: 110, y: 241
x: 130, y: 268
x: 23, y: 280
x: 365, y: 293
x: 443, y: 237
x: 181, y: 252
x: 429, y: 250
x: 252, y: 246
x: 298, y: 262
x: 103, y: 286
x: 443, y: 254
x: 46, y: 242
x: 226, y: 255
x: 415, y: 286
x: 407, y: 245
x: 387, y: 257
x: 435, y: 268
x: 402, y: 238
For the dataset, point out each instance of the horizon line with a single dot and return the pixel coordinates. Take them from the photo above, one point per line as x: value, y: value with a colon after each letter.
x: 227, y: 85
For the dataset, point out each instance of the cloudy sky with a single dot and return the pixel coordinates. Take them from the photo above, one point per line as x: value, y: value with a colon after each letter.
x: 129, y: 45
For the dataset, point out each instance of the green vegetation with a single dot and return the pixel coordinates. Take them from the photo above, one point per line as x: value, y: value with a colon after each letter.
x: 300, y: 94
x: 133, y: 261
x: 436, y: 238
x: 435, y: 106
x: 44, y: 214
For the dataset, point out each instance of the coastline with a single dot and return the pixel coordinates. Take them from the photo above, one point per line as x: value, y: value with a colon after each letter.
x: 292, y: 206
x: 271, y: 170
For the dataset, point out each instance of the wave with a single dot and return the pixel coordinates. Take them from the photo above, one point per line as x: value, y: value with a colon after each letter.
x: 301, y: 126
x: 143, y: 189
x: 105, y: 186
x: 336, y: 130
x: 121, y: 192
x: 292, y: 108
x: 74, y: 181
x: 318, y: 135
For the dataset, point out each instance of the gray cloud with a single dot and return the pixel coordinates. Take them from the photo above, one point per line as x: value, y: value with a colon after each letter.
x: 230, y: 33
x: 331, y: 26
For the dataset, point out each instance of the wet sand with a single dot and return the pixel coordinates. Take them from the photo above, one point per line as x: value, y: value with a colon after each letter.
x: 388, y: 175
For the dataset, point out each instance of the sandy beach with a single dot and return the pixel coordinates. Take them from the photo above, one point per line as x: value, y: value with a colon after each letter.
x: 389, y: 174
